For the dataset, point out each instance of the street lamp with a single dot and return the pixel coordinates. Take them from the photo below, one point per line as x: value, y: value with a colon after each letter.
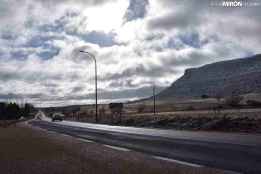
x: 96, y: 96
x: 154, y: 99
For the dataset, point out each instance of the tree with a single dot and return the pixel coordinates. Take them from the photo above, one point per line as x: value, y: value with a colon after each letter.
x: 141, y: 108
x: 27, y: 109
x: 116, y: 110
x: 204, y: 96
x: 2, y: 111
x: 253, y: 103
x: 12, y: 111
x: 234, y: 100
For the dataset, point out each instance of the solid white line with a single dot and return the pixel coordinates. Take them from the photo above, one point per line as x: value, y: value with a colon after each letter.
x: 117, y: 148
x: 177, y: 161
x: 65, y: 135
x: 52, y: 132
x: 231, y: 172
x: 85, y: 140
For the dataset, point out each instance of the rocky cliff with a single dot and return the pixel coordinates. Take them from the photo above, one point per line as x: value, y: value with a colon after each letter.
x: 239, y: 76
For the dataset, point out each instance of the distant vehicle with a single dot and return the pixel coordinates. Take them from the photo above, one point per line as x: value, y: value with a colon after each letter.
x: 116, y: 110
x: 57, y: 117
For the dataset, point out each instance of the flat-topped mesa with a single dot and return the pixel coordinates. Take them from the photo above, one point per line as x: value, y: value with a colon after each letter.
x: 241, y: 75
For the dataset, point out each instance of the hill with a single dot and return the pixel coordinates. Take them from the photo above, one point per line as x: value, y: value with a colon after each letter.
x: 240, y: 76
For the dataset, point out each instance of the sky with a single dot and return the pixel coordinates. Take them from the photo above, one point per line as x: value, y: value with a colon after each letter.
x: 137, y: 43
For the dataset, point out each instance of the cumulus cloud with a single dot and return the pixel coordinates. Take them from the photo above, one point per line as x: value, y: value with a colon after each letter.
x: 137, y: 43
x: 137, y: 9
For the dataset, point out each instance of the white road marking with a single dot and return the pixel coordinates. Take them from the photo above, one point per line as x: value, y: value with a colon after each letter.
x: 231, y: 172
x: 85, y: 140
x: 177, y: 161
x: 65, y: 135
x: 117, y: 148
x: 52, y: 132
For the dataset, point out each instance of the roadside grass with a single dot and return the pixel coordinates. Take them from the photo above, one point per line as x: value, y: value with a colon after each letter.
x: 25, y: 150
x: 225, y: 120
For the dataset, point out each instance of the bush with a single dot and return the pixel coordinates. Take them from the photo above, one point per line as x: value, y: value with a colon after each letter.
x: 234, y: 100
x: 253, y: 103
x: 204, y: 96
x: 12, y: 111
x: 190, y: 108
x: 141, y: 108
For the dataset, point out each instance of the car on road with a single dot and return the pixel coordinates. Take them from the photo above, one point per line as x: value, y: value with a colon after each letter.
x: 57, y: 117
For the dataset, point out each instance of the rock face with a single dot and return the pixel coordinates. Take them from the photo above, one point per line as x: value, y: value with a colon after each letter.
x: 239, y: 76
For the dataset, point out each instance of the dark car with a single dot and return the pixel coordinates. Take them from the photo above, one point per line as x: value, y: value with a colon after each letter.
x: 57, y: 117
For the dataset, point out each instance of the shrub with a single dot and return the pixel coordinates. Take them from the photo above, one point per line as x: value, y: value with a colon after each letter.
x: 204, y: 96
x: 190, y: 108
x: 234, y: 100
x: 141, y: 108
x: 253, y: 103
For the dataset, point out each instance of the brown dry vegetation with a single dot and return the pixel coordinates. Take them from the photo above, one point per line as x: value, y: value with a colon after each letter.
x: 232, y: 120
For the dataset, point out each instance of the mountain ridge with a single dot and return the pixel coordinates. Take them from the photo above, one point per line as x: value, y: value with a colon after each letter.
x: 222, y: 78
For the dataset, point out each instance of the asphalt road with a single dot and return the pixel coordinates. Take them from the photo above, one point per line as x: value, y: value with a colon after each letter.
x: 228, y: 151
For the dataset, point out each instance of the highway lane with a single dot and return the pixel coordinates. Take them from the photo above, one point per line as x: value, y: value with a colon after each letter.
x: 236, y: 152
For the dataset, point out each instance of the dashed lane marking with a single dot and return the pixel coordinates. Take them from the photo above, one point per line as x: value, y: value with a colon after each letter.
x: 117, y: 148
x: 85, y: 140
x: 65, y: 135
x: 177, y: 161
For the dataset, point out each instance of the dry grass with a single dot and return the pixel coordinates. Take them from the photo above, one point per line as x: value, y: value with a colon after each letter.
x: 24, y: 150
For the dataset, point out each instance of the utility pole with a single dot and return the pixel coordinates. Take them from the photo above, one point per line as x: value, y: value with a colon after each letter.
x: 154, y: 99
x: 96, y: 94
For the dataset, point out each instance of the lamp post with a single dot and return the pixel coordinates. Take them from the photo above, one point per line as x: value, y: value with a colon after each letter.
x: 96, y: 96
x: 154, y: 99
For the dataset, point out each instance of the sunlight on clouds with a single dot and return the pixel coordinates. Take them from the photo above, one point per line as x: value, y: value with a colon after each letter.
x: 141, y: 51
x: 107, y: 17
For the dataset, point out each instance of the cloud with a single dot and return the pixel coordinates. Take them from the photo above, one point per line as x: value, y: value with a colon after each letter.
x: 49, y: 3
x: 140, y: 70
x: 125, y: 95
x: 100, y: 38
x: 174, y: 20
x: 137, y: 9
x: 136, y: 43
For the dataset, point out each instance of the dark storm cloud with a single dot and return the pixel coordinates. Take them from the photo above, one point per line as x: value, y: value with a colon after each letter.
x: 136, y: 9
